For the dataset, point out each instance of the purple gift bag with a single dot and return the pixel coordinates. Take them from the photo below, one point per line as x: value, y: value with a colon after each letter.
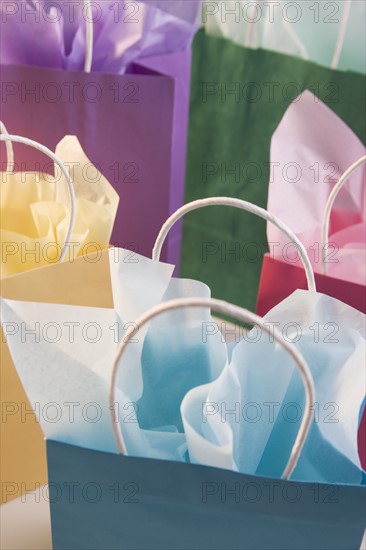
x: 130, y: 113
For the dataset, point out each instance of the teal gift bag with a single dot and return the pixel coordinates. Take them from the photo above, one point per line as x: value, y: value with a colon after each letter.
x: 141, y: 503
x: 122, y: 502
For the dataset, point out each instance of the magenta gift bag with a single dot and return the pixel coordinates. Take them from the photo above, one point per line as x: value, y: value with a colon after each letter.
x: 130, y: 113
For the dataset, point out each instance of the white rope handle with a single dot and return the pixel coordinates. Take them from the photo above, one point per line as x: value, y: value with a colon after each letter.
x: 89, y: 36
x: 242, y: 315
x: 9, y: 149
x: 250, y: 29
x: 341, y: 33
x: 243, y: 205
x: 328, y: 207
x: 70, y: 185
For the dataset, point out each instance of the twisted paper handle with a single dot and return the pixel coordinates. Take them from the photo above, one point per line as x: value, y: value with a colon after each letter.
x: 341, y: 33
x: 244, y: 316
x: 9, y: 149
x: 25, y: 141
x: 89, y: 36
x: 243, y: 205
x: 328, y: 207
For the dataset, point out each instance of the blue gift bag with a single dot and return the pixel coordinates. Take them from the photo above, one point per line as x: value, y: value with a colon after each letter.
x: 121, y: 502
x: 125, y: 502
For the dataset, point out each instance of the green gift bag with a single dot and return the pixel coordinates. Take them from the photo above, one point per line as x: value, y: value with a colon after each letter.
x: 238, y: 97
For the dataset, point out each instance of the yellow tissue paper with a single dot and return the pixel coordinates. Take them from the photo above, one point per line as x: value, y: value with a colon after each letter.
x: 35, y: 212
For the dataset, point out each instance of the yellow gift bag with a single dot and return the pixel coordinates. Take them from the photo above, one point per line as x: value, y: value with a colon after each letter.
x: 38, y: 231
